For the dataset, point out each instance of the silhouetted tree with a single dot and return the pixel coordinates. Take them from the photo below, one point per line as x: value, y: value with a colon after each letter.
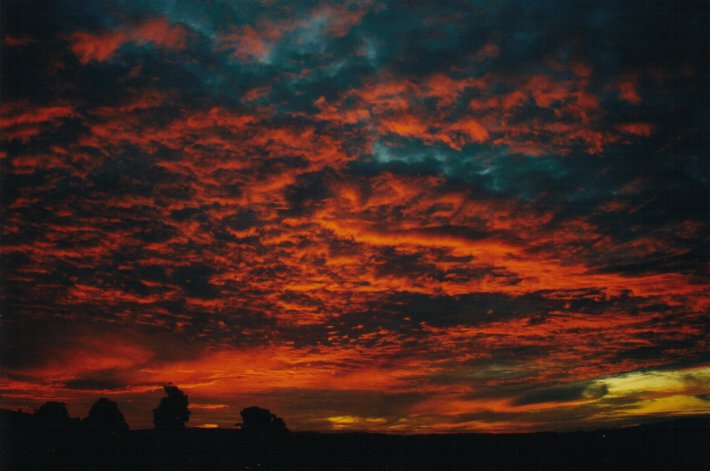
x: 172, y: 412
x: 256, y: 419
x: 53, y: 415
x: 105, y: 415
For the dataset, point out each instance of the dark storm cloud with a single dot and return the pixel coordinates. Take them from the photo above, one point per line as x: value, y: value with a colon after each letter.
x: 307, y: 192
x: 102, y: 381
x: 562, y: 394
x: 470, y: 309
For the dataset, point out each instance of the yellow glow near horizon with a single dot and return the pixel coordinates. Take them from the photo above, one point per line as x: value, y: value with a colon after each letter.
x: 674, y: 392
x: 679, y: 404
x: 347, y: 421
x: 691, y: 381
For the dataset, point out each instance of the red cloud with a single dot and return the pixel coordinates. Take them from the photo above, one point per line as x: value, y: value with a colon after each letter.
x: 628, y: 91
x: 246, y: 44
x: 426, y: 110
x: 360, y: 240
x: 23, y: 121
x: 18, y: 41
x: 637, y: 129
x: 99, y: 47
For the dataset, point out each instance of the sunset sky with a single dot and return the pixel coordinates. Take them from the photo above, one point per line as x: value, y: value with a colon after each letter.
x: 396, y: 216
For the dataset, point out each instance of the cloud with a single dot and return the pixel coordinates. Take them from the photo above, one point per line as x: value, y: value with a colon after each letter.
x: 101, y: 46
x: 399, y: 217
x: 565, y: 393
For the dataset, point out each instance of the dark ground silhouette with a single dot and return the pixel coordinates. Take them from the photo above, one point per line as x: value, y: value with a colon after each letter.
x: 28, y: 445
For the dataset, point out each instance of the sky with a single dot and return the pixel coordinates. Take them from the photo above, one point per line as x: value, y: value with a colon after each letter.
x: 394, y: 216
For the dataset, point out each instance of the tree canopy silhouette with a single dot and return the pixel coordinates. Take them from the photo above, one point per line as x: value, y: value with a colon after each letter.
x: 172, y: 412
x: 105, y: 415
x: 256, y: 419
x: 53, y: 415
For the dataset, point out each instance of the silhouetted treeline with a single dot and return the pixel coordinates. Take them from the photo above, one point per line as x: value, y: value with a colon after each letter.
x: 104, y: 415
x: 649, y: 448
x: 172, y: 413
x: 49, y: 439
x: 258, y: 420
